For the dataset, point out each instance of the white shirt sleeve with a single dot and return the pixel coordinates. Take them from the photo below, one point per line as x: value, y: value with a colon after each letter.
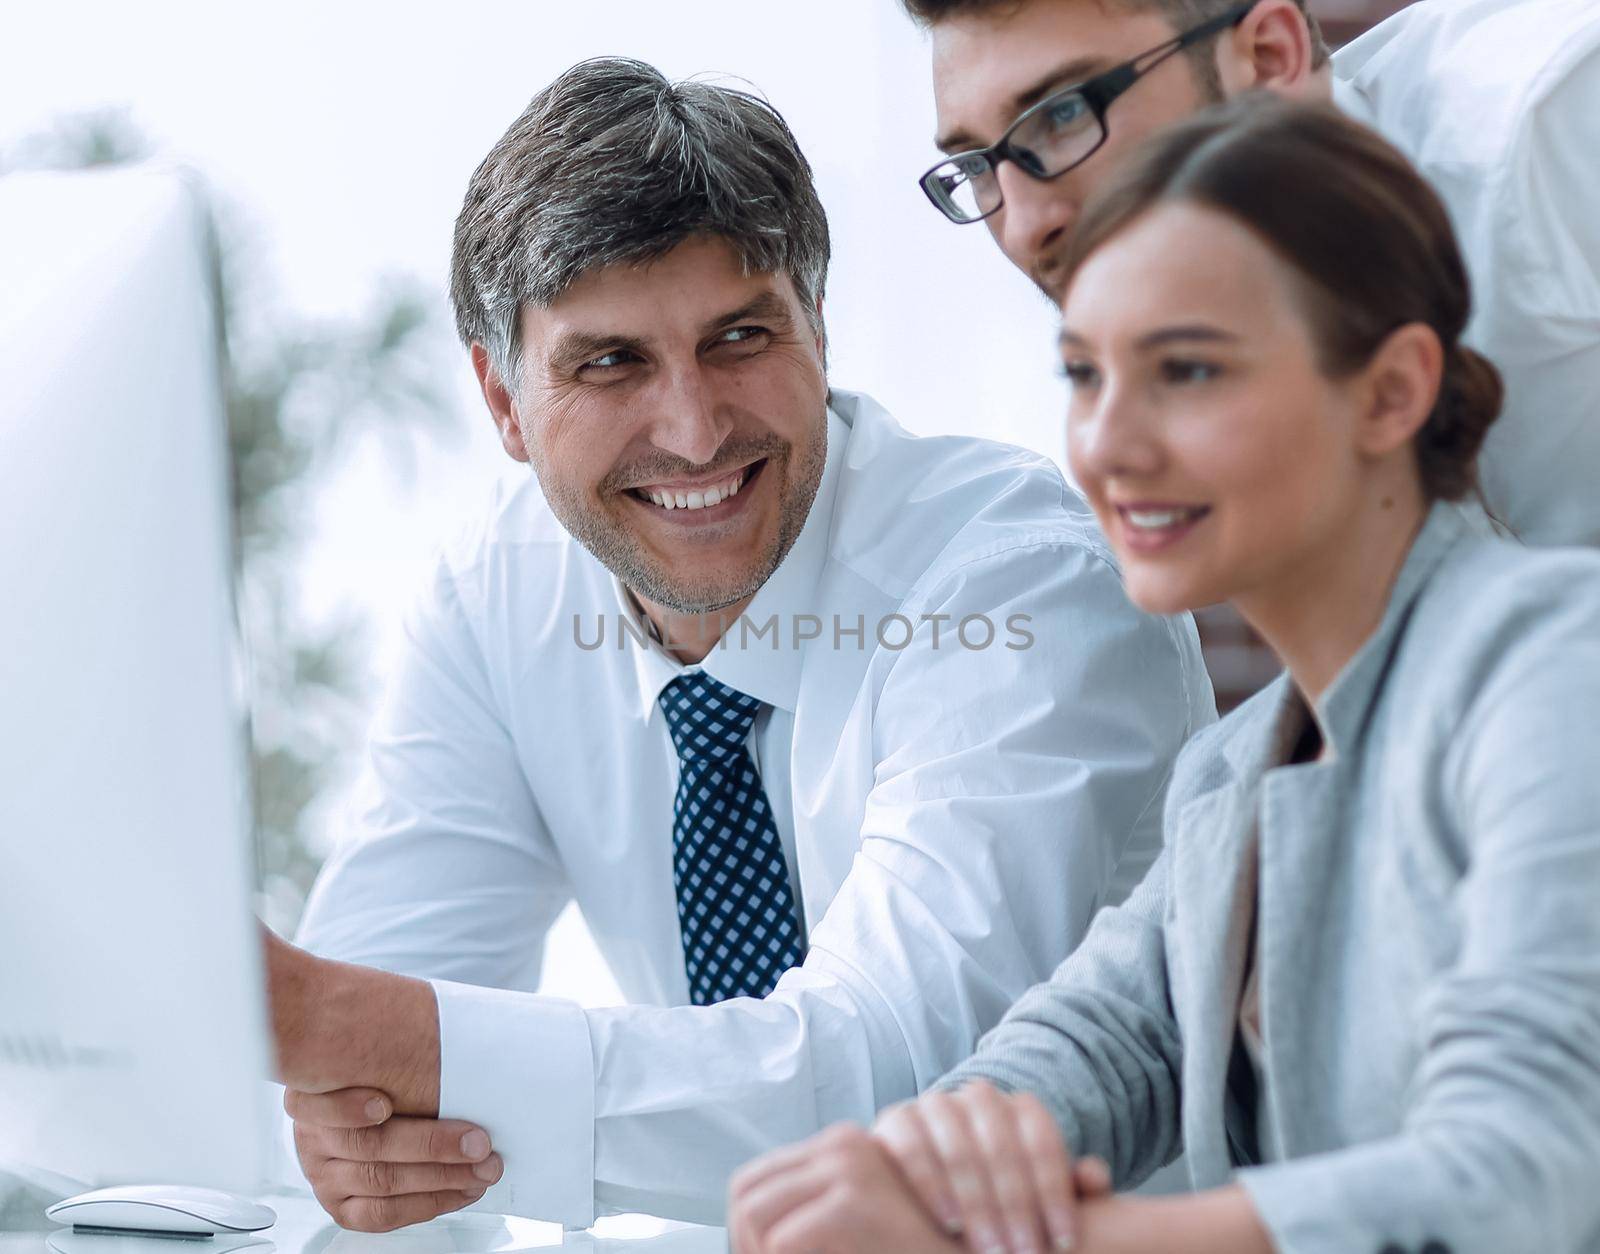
x: 1552, y: 196
x: 1009, y: 783
x: 1535, y: 259
x: 454, y: 877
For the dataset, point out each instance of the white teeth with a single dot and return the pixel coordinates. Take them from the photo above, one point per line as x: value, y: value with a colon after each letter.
x: 1154, y: 520
x: 703, y: 498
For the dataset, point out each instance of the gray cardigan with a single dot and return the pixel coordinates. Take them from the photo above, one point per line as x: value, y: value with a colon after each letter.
x: 1429, y: 941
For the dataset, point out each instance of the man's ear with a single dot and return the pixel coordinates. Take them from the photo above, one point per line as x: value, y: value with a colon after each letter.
x: 501, y: 402
x: 1270, y: 48
x: 1398, y: 389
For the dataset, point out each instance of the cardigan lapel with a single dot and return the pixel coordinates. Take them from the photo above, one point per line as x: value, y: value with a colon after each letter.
x: 1343, y: 710
x: 1213, y: 896
x: 1304, y: 874
x: 1306, y: 858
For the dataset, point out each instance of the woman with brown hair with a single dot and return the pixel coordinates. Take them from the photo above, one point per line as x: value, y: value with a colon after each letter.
x: 1361, y: 987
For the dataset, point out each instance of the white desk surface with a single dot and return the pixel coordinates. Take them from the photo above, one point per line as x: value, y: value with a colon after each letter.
x: 304, y: 1228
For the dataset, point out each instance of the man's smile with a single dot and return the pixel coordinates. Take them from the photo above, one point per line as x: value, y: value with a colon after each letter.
x: 690, y: 504
x: 701, y: 493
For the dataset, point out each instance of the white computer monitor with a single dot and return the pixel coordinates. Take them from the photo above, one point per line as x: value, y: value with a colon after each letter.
x: 133, y: 1034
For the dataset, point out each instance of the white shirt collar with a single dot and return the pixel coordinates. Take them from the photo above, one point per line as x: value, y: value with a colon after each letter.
x: 1350, y: 100
x: 769, y: 674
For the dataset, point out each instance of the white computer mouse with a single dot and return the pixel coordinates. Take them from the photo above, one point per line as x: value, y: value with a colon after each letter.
x: 162, y: 1210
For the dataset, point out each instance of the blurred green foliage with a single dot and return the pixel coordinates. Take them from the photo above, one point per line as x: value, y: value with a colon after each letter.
x: 299, y: 395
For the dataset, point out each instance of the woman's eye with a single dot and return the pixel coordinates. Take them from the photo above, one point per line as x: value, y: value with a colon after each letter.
x: 1080, y: 374
x: 1176, y: 370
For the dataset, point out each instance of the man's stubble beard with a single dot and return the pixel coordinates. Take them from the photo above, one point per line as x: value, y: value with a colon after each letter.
x: 617, y: 549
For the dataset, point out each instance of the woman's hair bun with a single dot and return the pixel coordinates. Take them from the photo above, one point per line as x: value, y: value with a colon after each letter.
x: 1470, y: 396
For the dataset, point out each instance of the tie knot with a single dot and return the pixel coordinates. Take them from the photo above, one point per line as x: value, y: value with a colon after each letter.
x: 708, y: 720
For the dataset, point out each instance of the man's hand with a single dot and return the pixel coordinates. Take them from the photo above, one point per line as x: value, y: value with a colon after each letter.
x: 374, y: 1171
x: 993, y: 1166
x: 358, y: 1050
x: 338, y: 1026
x: 837, y: 1192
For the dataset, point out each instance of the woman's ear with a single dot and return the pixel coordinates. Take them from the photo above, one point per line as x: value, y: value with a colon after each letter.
x: 1399, y: 387
x: 1270, y: 48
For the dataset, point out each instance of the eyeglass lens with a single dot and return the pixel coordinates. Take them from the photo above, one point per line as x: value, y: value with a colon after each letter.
x: 1047, y: 141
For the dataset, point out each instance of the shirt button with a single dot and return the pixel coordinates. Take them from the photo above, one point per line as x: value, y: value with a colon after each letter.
x: 1434, y: 1247
x: 1391, y: 1247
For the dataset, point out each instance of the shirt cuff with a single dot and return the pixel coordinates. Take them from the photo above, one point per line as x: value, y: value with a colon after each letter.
x: 520, y: 1067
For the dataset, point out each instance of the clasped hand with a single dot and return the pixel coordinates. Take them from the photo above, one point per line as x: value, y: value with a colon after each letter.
x: 375, y: 1171
x: 973, y: 1169
x: 358, y: 1052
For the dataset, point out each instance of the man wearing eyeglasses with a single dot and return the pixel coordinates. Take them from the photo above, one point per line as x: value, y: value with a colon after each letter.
x: 1496, y: 101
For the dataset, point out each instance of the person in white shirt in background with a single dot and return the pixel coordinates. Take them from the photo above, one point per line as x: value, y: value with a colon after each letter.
x: 1496, y: 102
x: 838, y: 737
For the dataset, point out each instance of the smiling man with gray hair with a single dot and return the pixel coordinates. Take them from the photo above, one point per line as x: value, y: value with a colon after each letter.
x: 838, y: 737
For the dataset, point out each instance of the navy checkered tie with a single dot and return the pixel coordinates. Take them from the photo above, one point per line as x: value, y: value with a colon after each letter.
x: 735, y: 906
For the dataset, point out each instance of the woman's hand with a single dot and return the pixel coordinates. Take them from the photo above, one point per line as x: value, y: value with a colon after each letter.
x: 837, y: 1192
x: 991, y: 1166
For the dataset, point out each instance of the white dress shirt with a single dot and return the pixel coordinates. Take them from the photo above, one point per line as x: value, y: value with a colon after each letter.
x: 953, y: 816
x: 1497, y: 102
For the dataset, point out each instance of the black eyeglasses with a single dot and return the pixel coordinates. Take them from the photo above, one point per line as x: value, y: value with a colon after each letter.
x: 1061, y: 131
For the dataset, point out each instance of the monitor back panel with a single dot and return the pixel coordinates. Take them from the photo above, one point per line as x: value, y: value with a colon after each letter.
x: 132, y: 1018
